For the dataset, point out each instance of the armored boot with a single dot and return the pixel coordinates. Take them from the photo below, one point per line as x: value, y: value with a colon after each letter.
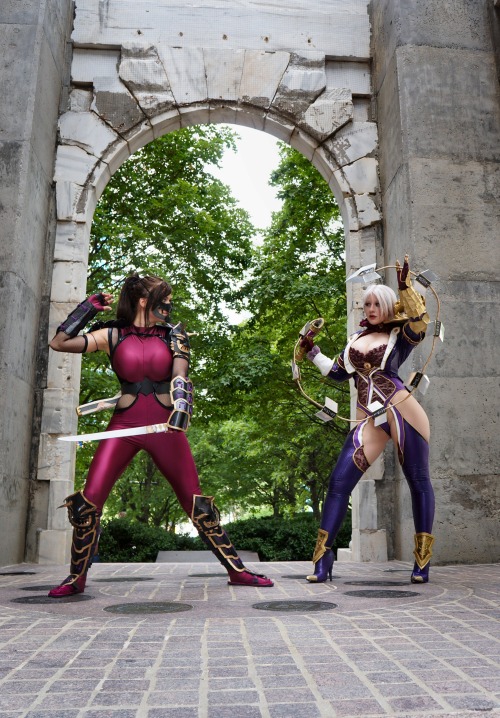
x: 83, y: 516
x: 322, y: 559
x: 422, y: 553
x: 206, y: 519
x: 350, y: 467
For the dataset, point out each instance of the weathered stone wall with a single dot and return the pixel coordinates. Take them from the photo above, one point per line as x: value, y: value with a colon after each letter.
x: 438, y: 101
x: 300, y: 71
x: 34, y: 40
x: 141, y: 71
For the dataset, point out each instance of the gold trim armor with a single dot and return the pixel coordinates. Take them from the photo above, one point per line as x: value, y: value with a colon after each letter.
x: 423, y: 549
x: 321, y: 548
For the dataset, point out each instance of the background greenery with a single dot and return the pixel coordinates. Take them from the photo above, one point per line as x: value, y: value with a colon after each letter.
x: 273, y: 539
x: 258, y: 446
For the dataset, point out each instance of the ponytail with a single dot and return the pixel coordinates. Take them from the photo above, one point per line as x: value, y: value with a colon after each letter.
x: 134, y: 288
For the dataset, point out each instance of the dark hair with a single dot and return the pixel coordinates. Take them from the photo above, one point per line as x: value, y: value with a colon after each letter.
x: 135, y: 288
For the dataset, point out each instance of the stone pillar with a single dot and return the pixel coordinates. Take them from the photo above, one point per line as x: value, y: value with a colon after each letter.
x: 437, y: 99
x: 34, y: 39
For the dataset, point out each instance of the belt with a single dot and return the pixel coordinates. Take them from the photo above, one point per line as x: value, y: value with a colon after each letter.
x: 146, y: 386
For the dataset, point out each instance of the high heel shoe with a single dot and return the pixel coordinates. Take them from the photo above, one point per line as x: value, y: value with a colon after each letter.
x: 322, y: 568
x: 422, y: 553
x: 322, y: 559
x: 420, y: 575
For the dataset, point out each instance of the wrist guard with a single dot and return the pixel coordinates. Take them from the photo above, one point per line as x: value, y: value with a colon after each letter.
x: 79, y: 317
x: 181, y: 395
x: 411, y: 304
x: 179, y: 343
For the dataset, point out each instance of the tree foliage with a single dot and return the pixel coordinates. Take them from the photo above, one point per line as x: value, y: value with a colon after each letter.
x: 258, y: 446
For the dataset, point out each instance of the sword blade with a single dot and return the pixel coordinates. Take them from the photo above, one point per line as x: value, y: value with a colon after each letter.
x: 117, y: 433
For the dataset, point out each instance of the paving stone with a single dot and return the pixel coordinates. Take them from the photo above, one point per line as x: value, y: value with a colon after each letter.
x: 362, y: 662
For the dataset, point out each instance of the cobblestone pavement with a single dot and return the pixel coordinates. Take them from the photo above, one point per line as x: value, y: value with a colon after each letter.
x: 367, y: 644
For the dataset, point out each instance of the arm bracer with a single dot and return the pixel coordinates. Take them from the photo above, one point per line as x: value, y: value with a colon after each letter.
x: 78, y: 318
x: 181, y: 395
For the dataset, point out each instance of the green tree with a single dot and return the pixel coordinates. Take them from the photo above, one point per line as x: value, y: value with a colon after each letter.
x: 298, y: 274
x: 257, y: 443
x: 163, y: 212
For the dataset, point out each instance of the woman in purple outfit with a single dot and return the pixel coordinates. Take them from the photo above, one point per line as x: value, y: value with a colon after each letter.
x: 151, y: 359
x: 372, y: 357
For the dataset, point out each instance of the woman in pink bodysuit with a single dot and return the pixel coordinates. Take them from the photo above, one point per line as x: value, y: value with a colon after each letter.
x: 151, y: 359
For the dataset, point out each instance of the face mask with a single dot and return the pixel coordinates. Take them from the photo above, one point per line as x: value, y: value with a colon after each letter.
x: 160, y: 309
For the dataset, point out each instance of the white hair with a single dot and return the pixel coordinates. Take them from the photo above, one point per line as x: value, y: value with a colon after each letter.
x: 386, y: 298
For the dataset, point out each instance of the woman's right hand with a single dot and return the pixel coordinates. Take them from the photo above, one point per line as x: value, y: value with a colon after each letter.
x: 306, y: 343
x: 101, y: 302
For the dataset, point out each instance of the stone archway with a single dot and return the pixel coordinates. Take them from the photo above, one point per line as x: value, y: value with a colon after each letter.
x: 122, y: 99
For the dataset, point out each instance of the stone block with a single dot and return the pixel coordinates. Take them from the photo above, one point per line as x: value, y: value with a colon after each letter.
x: 86, y: 130
x: 63, y: 367
x: 457, y: 448
x: 391, y: 155
x: 72, y: 242
x: 367, y: 211
x: 59, y: 489
x: 114, y: 103
x: 73, y: 164
x: 354, y: 75
x: 344, y: 555
x: 278, y: 127
x: 54, y: 546
x: 225, y: 113
x: 369, y: 546
x: 24, y: 214
x: 67, y: 197
x: 360, y: 177
x: 323, y: 163
x: 11, y: 171
x: 460, y: 121
x: 443, y: 220
x: 350, y: 143
x: 262, y: 74
x: 185, y: 68
x: 139, y: 136
x: 59, y: 414
x: 254, y: 118
x: 350, y: 215
x: 144, y: 74
x: 194, y: 115
x: 99, y: 179
x: 338, y: 29
x: 223, y: 70
x: 304, y: 80
x: 89, y: 63
x: 303, y: 143
x: 469, y: 305
x: 56, y: 463
x: 165, y: 123
x: 43, y: 120
x: 68, y: 281
x: 80, y: 100
x: 17, y: 42
x: 330, y: 111
x: 116, y: 155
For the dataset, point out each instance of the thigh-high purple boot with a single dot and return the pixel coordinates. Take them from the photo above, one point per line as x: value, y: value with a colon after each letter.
x: 350, y: 467
x: 414, y: 457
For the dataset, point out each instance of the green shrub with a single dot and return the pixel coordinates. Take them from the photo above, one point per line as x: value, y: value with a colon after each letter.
x: 283, y: 539
x: 274, y: 539
x: 126, y: 541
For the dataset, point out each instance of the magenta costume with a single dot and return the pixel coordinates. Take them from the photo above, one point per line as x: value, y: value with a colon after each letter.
x: 142, y: 360
x: 376, y: 378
